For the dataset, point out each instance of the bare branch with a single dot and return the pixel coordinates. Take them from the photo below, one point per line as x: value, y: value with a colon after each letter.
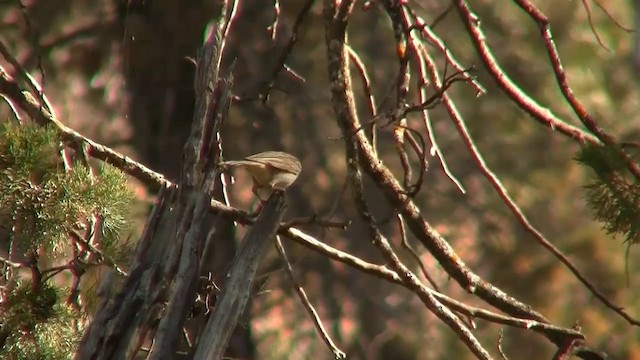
x: 493, y: 179
x: 561, y: 78
x: 288, y: 48
x: 345, y: 110
x: 472, y: 23
x: 276, y: 20
x: 337, y: 353
x: 13, y: 108
x: 413, y: 22
x: 343, y: 105
x: 499, y: 344
x: 585, y: 3
x: 414, y: 254
x: 366, y: 85
x: 616, y: 22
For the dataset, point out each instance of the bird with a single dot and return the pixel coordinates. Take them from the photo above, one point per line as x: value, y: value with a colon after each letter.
x: 271, y: 171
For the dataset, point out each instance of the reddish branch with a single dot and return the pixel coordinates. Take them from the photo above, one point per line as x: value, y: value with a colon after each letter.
x: 561, y: 77
x: 472, y: 23
x: 419, y: 52
x: 384, y: 179
x: 493, y: 179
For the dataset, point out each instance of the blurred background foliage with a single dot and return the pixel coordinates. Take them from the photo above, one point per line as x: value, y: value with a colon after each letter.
x: 119, y: 72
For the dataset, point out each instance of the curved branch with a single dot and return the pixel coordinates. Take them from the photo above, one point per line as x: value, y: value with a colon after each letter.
x: 384, y: 179
x: 561, y: 78
x: 495, y: 182
x: 543, y: 115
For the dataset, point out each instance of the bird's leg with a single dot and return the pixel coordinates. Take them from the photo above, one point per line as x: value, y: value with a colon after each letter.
x: 254, y: 190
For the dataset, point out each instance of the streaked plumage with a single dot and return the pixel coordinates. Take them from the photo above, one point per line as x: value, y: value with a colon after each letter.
x: 271, y: 170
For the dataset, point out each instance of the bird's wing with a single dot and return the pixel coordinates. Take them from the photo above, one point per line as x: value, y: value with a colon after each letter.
x: 278, y: 159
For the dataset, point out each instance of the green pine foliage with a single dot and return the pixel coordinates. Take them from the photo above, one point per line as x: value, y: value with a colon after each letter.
x: 36, y: 324
x: 44, y: 202
x: 45, y: 206
x: 613, y: 194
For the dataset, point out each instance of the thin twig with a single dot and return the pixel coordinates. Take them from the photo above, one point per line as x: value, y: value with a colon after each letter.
x: 618, y: 24
x: 561, y: 78
x: 342, y: 93
x: 13, y: 264
x: 428, y: 33
x: 13, y: 108
x: 82, y: 31
x: 441, y: 16
x: 276, y: 19
x: 419, y: 54
x: 27, y: 78
x: 34, y: 37
x: 499, y: 345
x: 286, y: 51
x: 420, y: 150
x: 366, y: 85
x: 337, y: 353
x: 585, y: 3
x: 413, y: 253
x: 564, y: 352
x: 543, y: 115
x: 495, y: 182
x: 101, y: 257
x: 398, y: 140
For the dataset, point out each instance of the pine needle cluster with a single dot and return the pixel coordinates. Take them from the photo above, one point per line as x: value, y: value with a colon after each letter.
x: 44, y: 208
x: 613, y: 194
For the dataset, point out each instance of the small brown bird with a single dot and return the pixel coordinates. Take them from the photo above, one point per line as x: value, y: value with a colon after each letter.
x: 270, y: 170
